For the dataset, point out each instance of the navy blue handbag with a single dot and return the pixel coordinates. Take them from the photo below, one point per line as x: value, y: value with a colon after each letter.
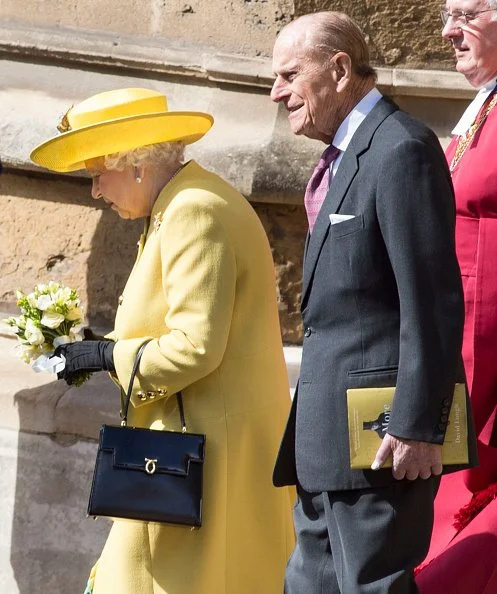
x: 148, y: 475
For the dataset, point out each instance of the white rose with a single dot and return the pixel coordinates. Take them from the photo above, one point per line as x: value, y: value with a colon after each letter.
x: 28, y: 353
x: 33, y: 334
x: 32, y: 300
x: 44, y: 302
x: 65, y: 294
x: 52, y: 319
x: 62, y: 295
x: 74, y: 314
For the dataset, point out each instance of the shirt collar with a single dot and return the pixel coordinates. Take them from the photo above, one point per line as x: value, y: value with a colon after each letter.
x: 469, y: 116
x: 355, y: 118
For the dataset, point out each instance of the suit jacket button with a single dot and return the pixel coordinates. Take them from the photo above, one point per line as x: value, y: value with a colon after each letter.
x: 307, y: 332
x: 446, y: 402
x: 441, y: 426
x: 444, y: 418
x: 445, y: 410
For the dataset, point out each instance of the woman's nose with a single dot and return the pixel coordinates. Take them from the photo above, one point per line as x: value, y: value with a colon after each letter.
x: 95, y: 191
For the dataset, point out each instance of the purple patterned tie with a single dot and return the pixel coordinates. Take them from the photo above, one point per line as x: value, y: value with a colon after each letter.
x: 318, y: 185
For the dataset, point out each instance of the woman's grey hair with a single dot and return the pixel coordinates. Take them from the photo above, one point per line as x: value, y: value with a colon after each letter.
x: 335, y: 32
x: 163, y: 155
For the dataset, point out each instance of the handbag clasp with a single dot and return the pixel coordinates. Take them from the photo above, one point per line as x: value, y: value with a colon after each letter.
x: 150, y: 466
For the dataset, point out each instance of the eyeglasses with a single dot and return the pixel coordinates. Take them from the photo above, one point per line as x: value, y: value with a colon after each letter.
x: 460, y: 17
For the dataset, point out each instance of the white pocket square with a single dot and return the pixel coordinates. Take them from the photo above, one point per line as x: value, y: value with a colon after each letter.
x: 339, y: 218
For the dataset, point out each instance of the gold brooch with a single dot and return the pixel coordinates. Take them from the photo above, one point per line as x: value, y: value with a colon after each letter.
x: 64, y: 125
x: 158, y: 220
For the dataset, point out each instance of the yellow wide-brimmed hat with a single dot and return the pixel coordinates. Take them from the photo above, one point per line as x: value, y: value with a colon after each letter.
x: 117, y: 121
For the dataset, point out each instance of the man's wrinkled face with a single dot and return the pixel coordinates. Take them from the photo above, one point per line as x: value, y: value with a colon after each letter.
x: 306, y: 88
x: 474, y: 43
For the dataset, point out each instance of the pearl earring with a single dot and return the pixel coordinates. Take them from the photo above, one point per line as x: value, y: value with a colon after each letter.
x: 138, y: 179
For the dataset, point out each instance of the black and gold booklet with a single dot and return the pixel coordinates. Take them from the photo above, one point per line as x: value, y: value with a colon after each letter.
x: 369, y: 413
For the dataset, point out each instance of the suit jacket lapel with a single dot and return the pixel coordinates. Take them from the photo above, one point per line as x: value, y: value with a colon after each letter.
x: 346, y: 172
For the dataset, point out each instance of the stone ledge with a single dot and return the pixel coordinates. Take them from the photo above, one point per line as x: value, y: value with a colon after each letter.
x: 36, y: 403
x: 100, y: 50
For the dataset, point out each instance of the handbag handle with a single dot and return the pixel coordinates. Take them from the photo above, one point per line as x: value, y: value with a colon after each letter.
x: 125, y: 407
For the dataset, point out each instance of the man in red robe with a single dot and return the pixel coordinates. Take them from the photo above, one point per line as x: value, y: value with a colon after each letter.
x: 463, y: 558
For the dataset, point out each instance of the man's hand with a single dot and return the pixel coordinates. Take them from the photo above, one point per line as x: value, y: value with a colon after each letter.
x: 411, y: 459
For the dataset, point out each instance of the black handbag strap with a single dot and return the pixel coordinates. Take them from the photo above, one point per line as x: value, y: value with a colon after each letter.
x: 125, y: 404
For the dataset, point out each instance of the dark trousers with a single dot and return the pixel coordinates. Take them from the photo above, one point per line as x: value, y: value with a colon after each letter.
x: 365, y: 541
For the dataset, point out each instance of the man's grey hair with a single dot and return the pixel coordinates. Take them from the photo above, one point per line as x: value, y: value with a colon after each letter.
x: 163, y: 155
x: 332, y: 32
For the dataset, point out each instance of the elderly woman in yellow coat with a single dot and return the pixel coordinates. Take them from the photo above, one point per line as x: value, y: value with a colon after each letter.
x: 203, y: 289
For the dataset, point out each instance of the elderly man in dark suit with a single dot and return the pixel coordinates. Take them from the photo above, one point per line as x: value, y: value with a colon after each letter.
x: 381, y: 305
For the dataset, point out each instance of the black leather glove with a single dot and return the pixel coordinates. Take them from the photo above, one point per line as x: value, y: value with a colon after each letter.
x: 85, y: 356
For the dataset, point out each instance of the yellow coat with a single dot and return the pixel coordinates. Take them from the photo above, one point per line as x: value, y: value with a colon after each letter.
x: 203, y: 287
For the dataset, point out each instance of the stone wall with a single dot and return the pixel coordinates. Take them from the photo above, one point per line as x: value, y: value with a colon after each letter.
x: 286, y: 228
x: 400, y: 33
x: 51, y: 229
x: 47, y: 454
x: 245, y: 27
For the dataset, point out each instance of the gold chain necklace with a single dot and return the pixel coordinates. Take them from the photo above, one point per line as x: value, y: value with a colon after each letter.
x: 467, y: 138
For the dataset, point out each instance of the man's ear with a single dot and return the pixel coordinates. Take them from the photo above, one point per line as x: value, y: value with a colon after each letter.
x: 342, y: 70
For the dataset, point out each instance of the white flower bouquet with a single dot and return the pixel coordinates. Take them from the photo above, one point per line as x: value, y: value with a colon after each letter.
x: 50, y: 316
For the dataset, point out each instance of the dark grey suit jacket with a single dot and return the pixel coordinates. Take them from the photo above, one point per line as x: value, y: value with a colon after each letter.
x: 382, y: 302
